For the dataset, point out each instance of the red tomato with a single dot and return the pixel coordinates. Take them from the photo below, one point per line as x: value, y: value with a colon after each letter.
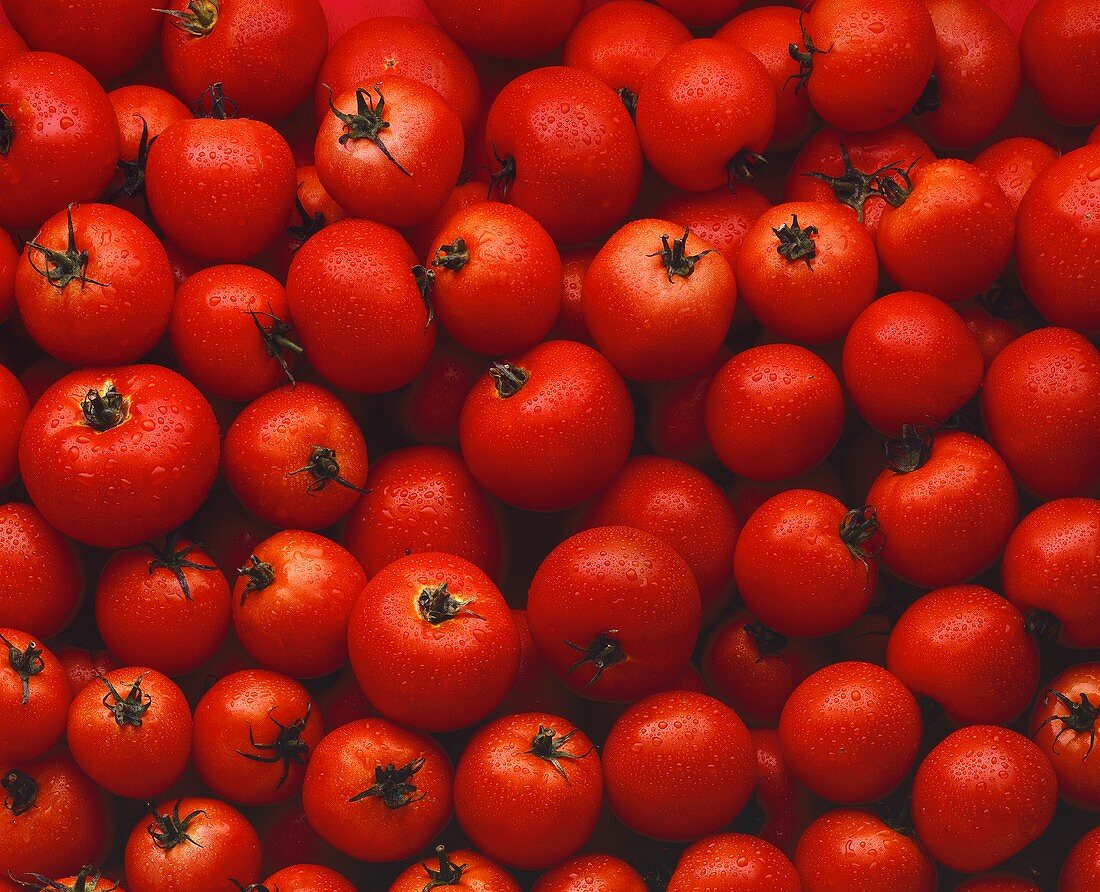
x: 748, y: 495
x: 678, y: 766
x: 422, y: 237
x: 9, y: 259
x: 34, y: 698
x: 1059, y: 46
x: 570, y: 324
x: 548, y: 429
x: 143, y: 112
x: 980, y: 796
x: 105, y: 415
x: 314, y: 209
x: 514, y: 31
x: 998, y: 882
x: 464, y: 869
x: 720, y: 217
x: 528, y: 790
x: 84, y: 666
x: 1081, y: 870
x: 89, y: 879
x: 11, y: 44
x: 591, y: 873
x: 778, y: 811
x: 734, y: 862
x: 676, y: 422
x: 427, y: 411
x: 308, y: 878
x: 14, y: 409
x: 1015, y: 164
x: 1063, y: 724
x: 992, y: 333
x: 705, y: 112
x: 376, y: 791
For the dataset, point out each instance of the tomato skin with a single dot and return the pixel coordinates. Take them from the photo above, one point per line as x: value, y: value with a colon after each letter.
x: 9, y: 259
x: 980, y: 796
x: 676, y: 418
x: 272, y: 463
x: 1063, y: 724
x: 478, y: 873
x: 176, y: 463
x: 553, y: 175
x: 84, y: 666
x: 11, y: 43
x: 462, y: 661
x: 421, y: 237
x: 65, y: 142
x: 557, y: 441
x: 717, y: 99
x: 314, y: 209
x: 515, y: 804
x: 656, y: 755
x: 784, y: 804
x: 591, y: 873
x: 32, y: 712
x: 1041, y: 405
x: 1081, y: 870
x: 297, y: 624
x: 1059, y: 47
x: 515, y: 31
x: 14, y: 409
x: 852, y: 849
x: 993, y: 334
x: 357, y: 309
x: 624, y: 588
x: 343, y: 766
x: 748, y: 495
x: 998, y: 882
x: 720, y: 217
x: 159, y: 109
x: 308, y: 878
x: 734, y: 862
x: 1015, y: 164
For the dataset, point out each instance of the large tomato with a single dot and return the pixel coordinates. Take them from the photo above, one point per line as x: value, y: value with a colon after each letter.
x: 34, y: 697
x: 1081, y: 870
x: 1014, y: 164
x: 308, y: 878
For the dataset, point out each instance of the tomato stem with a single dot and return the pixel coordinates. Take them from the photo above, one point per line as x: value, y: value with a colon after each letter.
x: 804, y: 55
x: 861, y: 533
x: 260, y: 575
x: 168, y: 831
x: 197, y: 20
x: 7, y: 131
x: 447, y: 874
x: 394, y: 786
x: 1043, y: 625
x: 128, y: 710
x: 63, y: 267
x: 309, y: 226
x: 602, y: 652
x: 509, y: 379
x: 22, y: 790
x: 453, y: 256
x: 437, y: 605
x: 911, y: 450
x: 796, y: 242
x: 629, y: 98
x: 324, y: 469
x: 25, y: 663
x: 103, y: 411
x: 287, y: 747
x: 503, y: 179
x: 550, y: 747
x: 366, y: 122
x: 675, y: 257
x: 1080, y: 719
x: 221, y: 106
x: 274, y: 337
x: 133, y: 172
x: 742, y: 167
x: 175, y: 559
x: 86, y: 875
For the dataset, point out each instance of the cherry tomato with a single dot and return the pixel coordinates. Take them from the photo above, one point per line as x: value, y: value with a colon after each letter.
x: 34, y: 695
x: 464, y: 869
x: 516, y: 31
x: 1081, y: 870
x: 1059, y: 45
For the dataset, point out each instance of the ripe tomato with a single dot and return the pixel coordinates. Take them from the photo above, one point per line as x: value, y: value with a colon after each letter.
x: 855, y: 850
x: 676, y: 422
x: 296, y: 458
x: 720, y: 217
x: 357, y: 307
x: 94, y: 429
x: 548, y: 429
x: 14, y: 409
x: 679, y: 765
x: 54, y: 818
x: 658, y: 307
x: 422, y: 237
x: 705, y: 112
x: 528, y: 790
x: 143, y: 114
x: 991, y: 332
x: 1081, y: 870
x: 292, y: 601
x: 464, y: 869
x: 376, y: 791
x: 748, y: 495
x: 11, y: 44
x: 192, y: 843
x: 515, y: 31
x: 980, y: 796
x: 805, y: 565
x: 998, y: 882
x: 59, y: 138
x: 427, y: 411
x: 1041, y: 404
x: 734, y: 862
x: 1059, y: 44
x: 615, y: 613
x: 166, y: 608
x: 9, y: 259
x: 547, y: 132
x: 266, y: 58
x: 308, y: 878
x: 94, y: 286
x: 1052, y: 564
x: 41, y: 574
x: 591, y: 873
x: 537, y: 689
x: 433, y: 643
x: 89, y: 879
x: 83, y: 666
x: 494, y: 279
x: 314, y: 209
x: 1015, y: 164
x: 779, y: 810
x: 131, y: 732
x: 1063, y: 724
x: 34, y: 697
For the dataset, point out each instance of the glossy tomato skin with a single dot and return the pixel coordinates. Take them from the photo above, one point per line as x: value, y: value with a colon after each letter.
x: 314, y: 209
x: 357, y: 309
x: 655, y: 315
x: 308, y: 878
x: 375, y: 827
x: 551, y: 173
x: 433, y: 643
x: 615, y: 613
x: 1041, y: 405
x: 474, y: 871
x: 1081, y: 871
x: 14, y: 409
x: 84, y: 666
x: 1015, y: 164
x: 555, y: 441
x: 41, y: 574
x: 1063, y: 724
x: 65, y: 142
x: 427, y: 411
x: 703, y: 105
x: 657, y: 755
x: 33, y: 704
x: 855, y: 850
x: 748, y: 495
x: 570, y: 323
x: 720, y: 218
x: 784, y: 804
x: 591, y: 873
x: 992, y: 333
x: 292, y: 602
x: 295, y: 457
x: 514, y: 31
x: 11, y: 44
x: 166, y: 437
x: 1059, y: 45
x: 980, y: 796
x: 528, y: 790
x: 732, y: 862
x: 140, y: 104
x: 998, y: 882
x: 462, y: 196
x: 1052, y: 564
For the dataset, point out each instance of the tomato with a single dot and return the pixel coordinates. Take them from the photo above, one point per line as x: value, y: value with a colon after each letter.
x: 314, y: 209
x: 88, y: 879
x: 866, y: 63
x: 11, y: 43
x: 748, y: 495
x: 998, y: 882
x: 58, y: 134
x: 805, y: 565
x: 427, y: 411
x: 591, y: 873
x: 1063, y: 724
x: 515, y: 31
x: 407, y: 47
x: 357, y: 308
x: 267, y: 58
x: 295, y: 457
x: 991, y: 332
x: 615, y: 613
x: 9, y: 259
x: 494, y: 279
x: 1052, y: 564
x: 675, y: 426
x: 94, y: 286
x: 54, y: 818
x: 34, y: 694
x: 1081, y: 870
x: 778, y: 812
x: 767, y: 32
x: 93, y: 429
x: 421, y: 237
x: 14, y: 409
x: 682, y: 506
x: 84, y: 666
x: 228, y: 532
x: 734, y: 862
x: 854, y: 850
x: 658, y: 307
x: 143, y: 112
x: 1015, y: 164
x: 433, y: 643
x: 166, y: 608
x: 548, y: 429
x: 292, y: 601
x: 678, y: 766
x: 528, y: 790
x: 536, y: 689
x: 1041, y: 404
x: 1060, y: 210
x: 464, y: 869
x: 201, y: 175
x: 705, y: 112
x: 308, y: 878
x: 376, y: 791
x: 1059, y: 46
x: 980, y: 796
x: 547, y: 133
x: 720, y: 217
x: 192, y: 843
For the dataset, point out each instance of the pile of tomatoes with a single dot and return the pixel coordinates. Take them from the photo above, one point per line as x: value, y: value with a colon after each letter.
x: 729, y: 381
